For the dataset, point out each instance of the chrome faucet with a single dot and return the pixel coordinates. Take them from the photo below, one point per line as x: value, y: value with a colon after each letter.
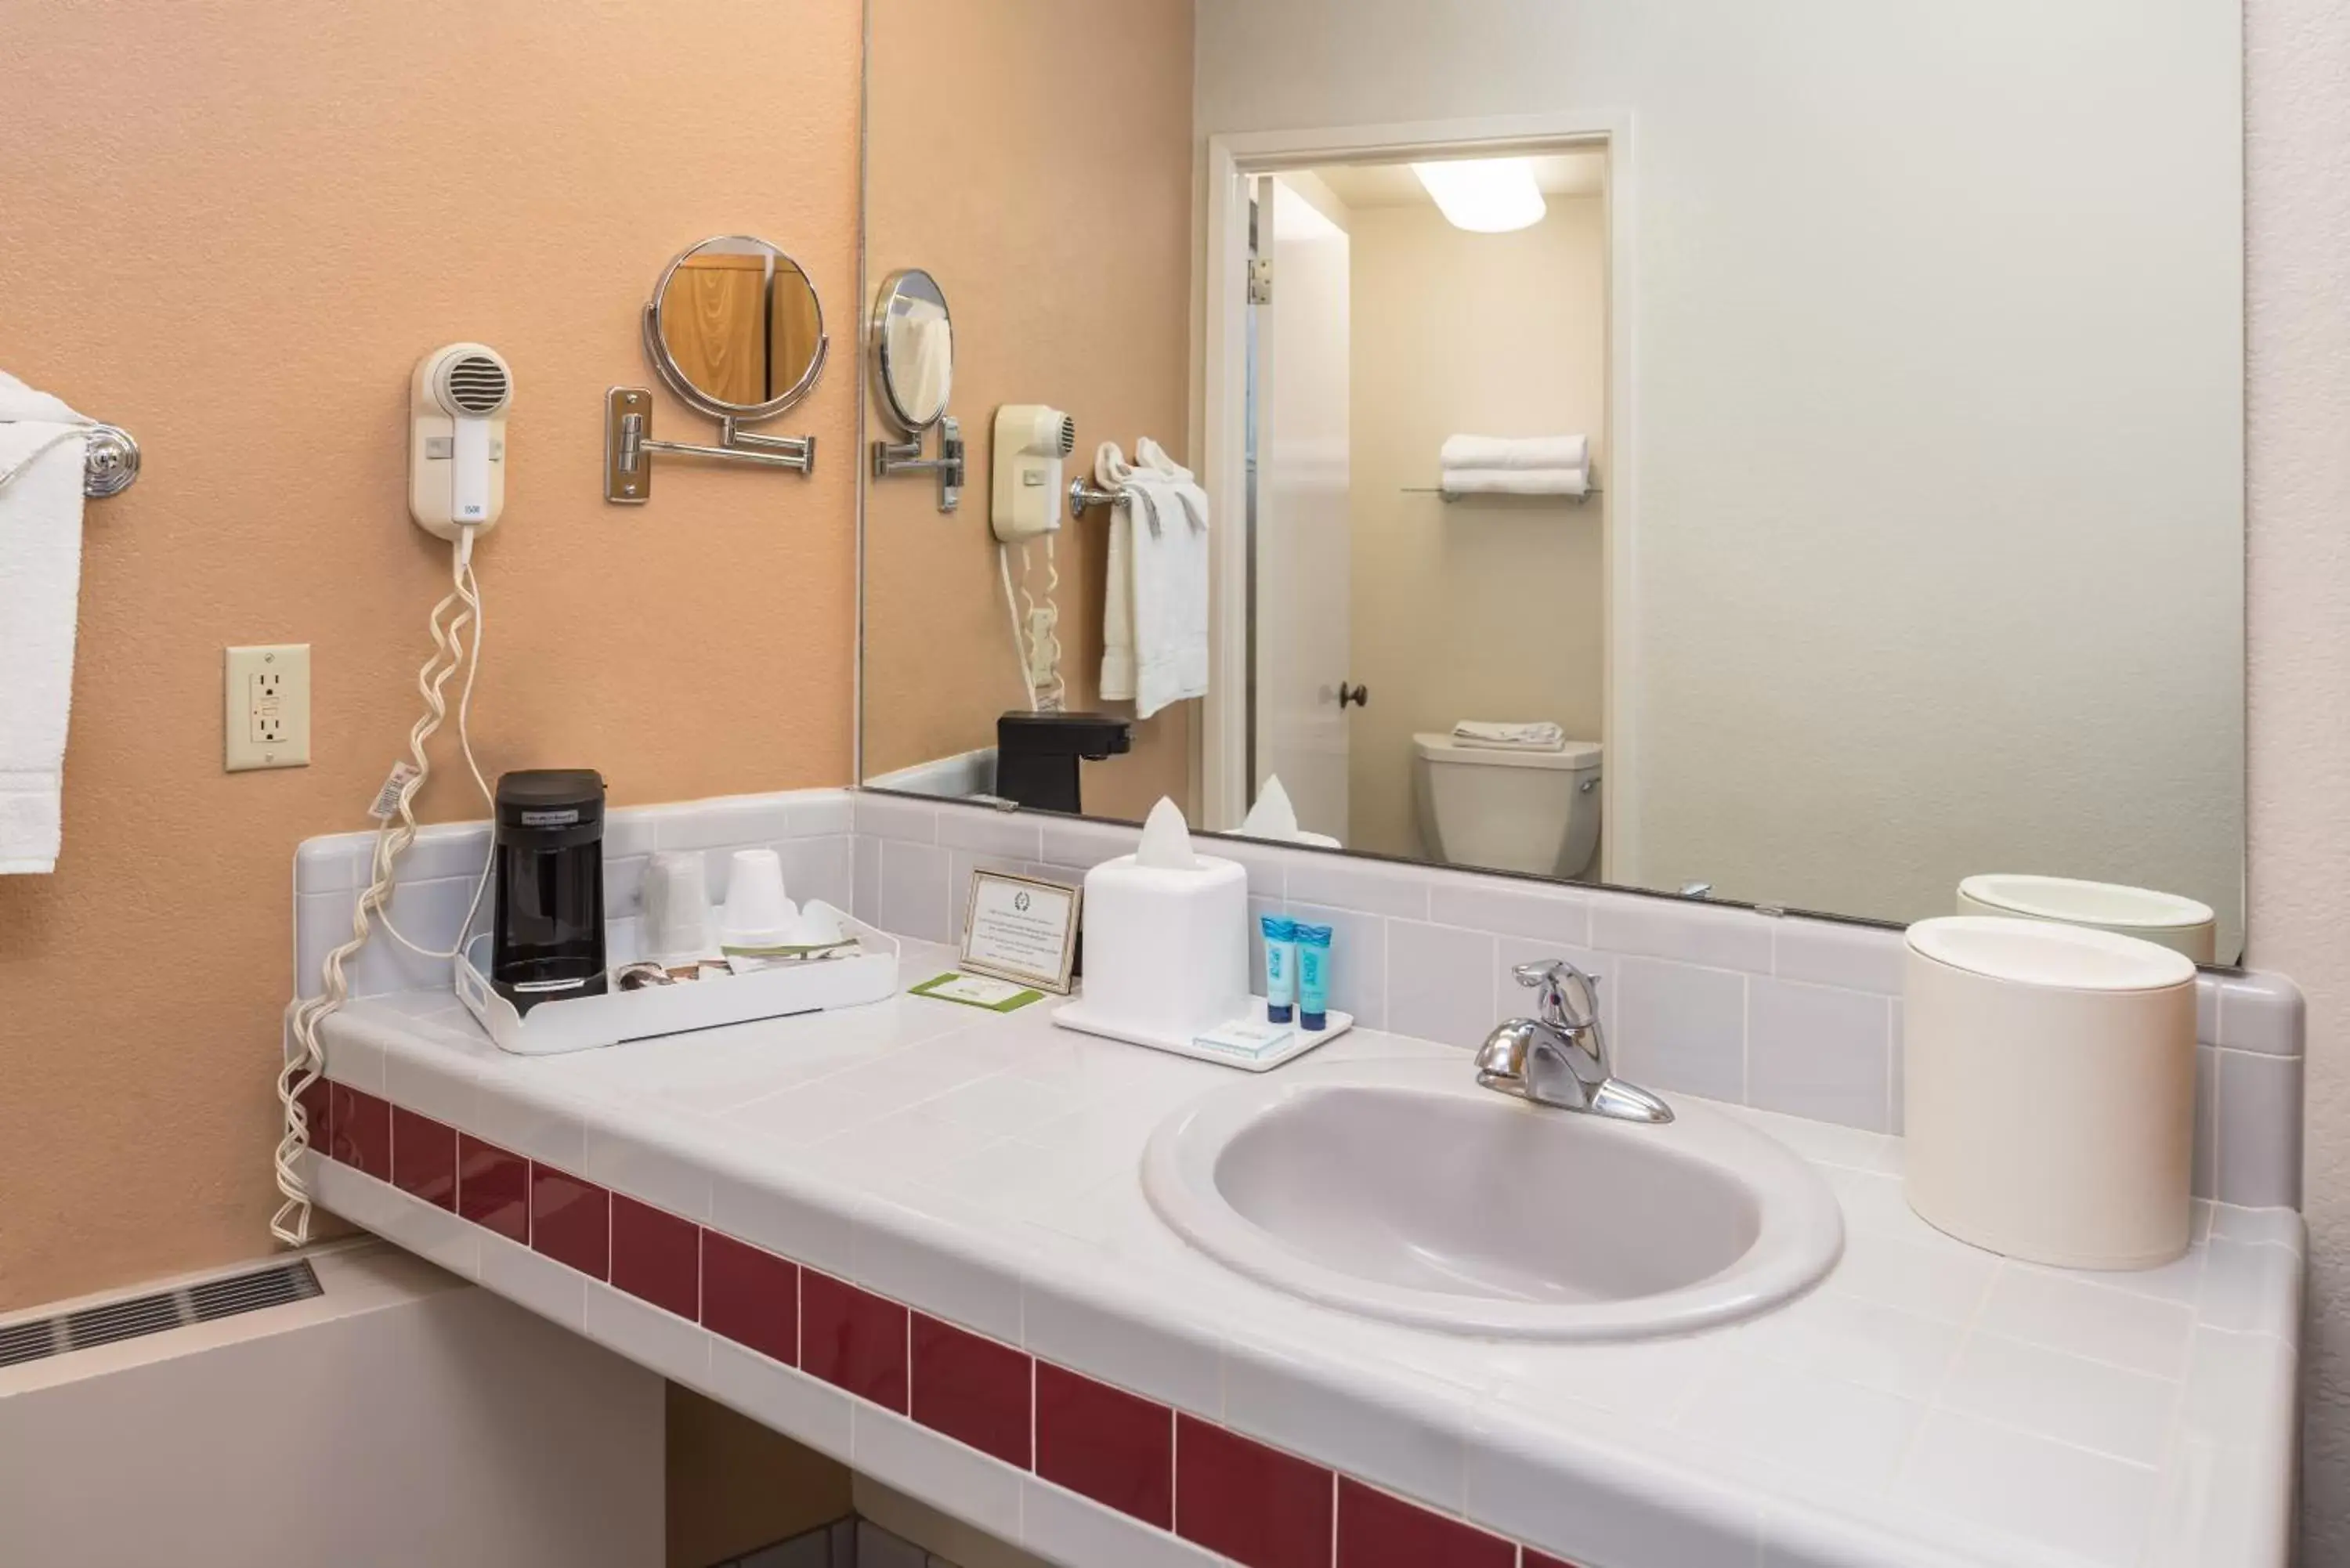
x: 1559, y: 1057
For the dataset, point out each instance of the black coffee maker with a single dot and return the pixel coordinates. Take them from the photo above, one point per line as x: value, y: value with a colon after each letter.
x: 547, y: 939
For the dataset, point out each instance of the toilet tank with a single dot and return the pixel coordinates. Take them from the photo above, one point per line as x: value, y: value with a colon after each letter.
x: 1535, y: 811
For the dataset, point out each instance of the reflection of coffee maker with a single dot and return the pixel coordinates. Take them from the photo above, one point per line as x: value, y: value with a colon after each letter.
x: 1036, y: 754
x: 548, y: 940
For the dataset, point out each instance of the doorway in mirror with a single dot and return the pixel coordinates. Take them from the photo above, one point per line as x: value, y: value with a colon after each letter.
x: 1425, y: 392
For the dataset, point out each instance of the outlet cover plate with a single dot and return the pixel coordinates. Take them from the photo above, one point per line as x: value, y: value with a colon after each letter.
x: 265, y: 708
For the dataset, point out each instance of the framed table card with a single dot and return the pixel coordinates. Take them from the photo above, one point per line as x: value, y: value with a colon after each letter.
x: 1021, y: 928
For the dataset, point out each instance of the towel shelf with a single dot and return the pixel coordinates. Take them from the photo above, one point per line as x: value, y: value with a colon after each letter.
x: 110, y: 463
x: 1084, y: 493
x: 1451, y: 495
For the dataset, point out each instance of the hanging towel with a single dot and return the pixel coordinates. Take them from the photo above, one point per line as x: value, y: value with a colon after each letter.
x: 1150, y: 454
x: 1159, y: 561
x: 1541, y: 736
x: 42, y: 443
x: 1515, y: 451
x: 1112, y: 471
x: 1514, y: 482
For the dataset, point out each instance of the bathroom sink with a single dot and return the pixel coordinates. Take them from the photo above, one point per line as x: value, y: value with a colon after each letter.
x: 1402, y: 1191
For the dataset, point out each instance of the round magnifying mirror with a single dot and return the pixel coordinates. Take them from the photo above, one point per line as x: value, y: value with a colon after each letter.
x: 734, y: 328
x: 913, y: 349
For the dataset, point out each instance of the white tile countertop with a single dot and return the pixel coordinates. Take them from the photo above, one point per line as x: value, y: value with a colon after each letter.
x: 1928, y: 1404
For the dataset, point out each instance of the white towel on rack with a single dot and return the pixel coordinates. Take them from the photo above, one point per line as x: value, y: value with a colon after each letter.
x: 1538, y: 736
x: 1150, y: 454
x: 1113, y: 472
x: 1167, y: 574
x: 1514, y: 482
x: 42, y: 446
x: 1515, y: 451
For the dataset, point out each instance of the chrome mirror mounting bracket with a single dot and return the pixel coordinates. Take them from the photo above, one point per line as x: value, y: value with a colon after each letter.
x: 892, y: 458
x: 629, y: 446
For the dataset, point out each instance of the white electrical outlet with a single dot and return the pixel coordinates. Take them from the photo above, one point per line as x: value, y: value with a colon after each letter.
x: 265, y: 722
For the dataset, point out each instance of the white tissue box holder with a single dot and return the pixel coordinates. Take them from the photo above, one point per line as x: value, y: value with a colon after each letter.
x: 587, y: 1022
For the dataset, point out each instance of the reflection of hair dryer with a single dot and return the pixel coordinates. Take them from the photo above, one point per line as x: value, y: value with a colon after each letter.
x: 1031, y: 440
x: 457, y: 439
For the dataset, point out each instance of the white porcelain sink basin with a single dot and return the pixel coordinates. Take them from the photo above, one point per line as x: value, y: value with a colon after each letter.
x: 1402, y: 1191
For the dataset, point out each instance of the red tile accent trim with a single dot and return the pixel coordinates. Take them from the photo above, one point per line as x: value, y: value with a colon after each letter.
x: 1106, y: 1444
x: 424, y: 1158
x: 657, y: 1257
x: 1254, y: 1505
x: 853, y: 1339
x: 975, y: 1390
x: 753, y: 1297
x: 362, y: 1131
x: 494, y: 1189
x: 570, y: 1220
x: 1376, y: 1531
x: 318, y: 1100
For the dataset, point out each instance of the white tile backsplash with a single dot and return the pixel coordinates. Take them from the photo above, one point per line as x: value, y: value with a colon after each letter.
x: 1007, y: 836
x: 1681, y: 1027
x: 2263, y: 1092
x: 1370, y: 887
x: 1786, y: 1012
x: 1507, y: 908
x: 1359, y: 962
x: 1679, y: 928
x: 1441, y: 981
x: 2261, y: 1013
x: 1819, y: 1051
x: 914, y: 890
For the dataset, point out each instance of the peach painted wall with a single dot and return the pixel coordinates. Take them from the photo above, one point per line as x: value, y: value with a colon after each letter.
x: 1050, y: 195
x: 233, y: 226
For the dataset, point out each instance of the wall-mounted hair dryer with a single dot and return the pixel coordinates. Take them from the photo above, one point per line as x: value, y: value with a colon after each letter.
x: 1031, y: 440
x: 457, y: 439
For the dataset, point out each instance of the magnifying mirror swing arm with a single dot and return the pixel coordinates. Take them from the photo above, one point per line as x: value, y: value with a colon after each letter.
x: 628, y: 440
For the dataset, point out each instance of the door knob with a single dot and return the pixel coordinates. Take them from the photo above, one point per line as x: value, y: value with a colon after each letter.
x: 1358, y: 694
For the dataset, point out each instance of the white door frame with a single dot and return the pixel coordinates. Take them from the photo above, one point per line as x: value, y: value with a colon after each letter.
x: 1231, y: 160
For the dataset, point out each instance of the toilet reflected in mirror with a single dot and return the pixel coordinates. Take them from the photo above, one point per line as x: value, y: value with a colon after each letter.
x: 1531, y: 811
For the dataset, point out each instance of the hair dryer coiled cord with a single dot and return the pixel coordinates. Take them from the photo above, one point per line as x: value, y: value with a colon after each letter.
x: 305, y: 1062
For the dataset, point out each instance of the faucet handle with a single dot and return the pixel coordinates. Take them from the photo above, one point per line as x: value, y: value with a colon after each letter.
x: 1553, y: 979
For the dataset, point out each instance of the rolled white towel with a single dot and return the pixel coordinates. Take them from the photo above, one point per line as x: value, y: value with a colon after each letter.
x: 1515, y: 451
x: 1539, y: 736
x: 1515, y: 482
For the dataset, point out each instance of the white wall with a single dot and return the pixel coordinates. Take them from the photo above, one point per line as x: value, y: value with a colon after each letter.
x: 1938, y: 348
x: 2297, y: 243
x: 400, y: 1417
x: 1487, y: 609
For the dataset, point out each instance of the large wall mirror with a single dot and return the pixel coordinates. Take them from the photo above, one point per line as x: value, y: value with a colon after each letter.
x: 1786, y: 454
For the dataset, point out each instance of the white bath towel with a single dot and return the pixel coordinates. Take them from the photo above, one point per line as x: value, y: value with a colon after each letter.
x: 1112, y: 471
x: 1539, y: 736
x: 1150, y: 454
x: 1169, y: 537
x: 1515, y: 451
x: 42, y: 445
x: 1515, y: 482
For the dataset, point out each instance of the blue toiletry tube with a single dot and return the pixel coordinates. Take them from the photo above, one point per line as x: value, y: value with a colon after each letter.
x: 1313, y: 975
x: 1280, y: 966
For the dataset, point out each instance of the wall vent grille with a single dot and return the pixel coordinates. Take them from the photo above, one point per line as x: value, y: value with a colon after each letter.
x: 111, y: 1322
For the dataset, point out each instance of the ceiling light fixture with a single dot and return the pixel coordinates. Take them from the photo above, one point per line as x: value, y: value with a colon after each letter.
x: 1484, y: 195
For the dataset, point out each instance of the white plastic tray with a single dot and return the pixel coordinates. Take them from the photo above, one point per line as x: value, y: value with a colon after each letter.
x: 586, y: 1022
x: 1075, y: 1015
